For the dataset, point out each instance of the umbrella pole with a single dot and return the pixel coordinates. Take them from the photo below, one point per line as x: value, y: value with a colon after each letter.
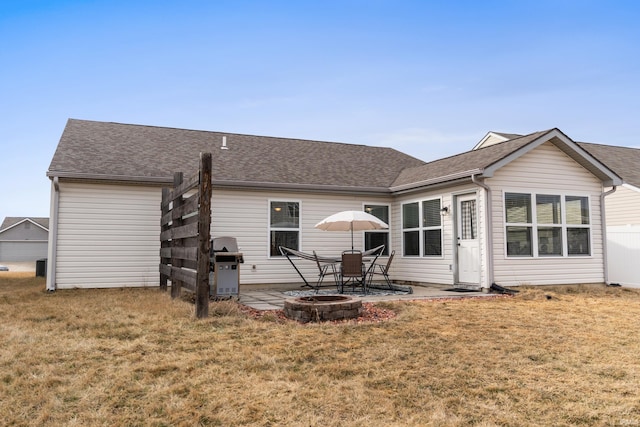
x: 352, y: 237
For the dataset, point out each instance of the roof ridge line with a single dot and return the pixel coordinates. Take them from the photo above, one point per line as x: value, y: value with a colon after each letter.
x: 232, y: 133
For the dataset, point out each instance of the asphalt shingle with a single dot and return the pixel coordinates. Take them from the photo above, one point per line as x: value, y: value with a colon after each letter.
x: 622, y: 160
x: 468, y: 161
x: 144, y: 153
x: 116, y: 151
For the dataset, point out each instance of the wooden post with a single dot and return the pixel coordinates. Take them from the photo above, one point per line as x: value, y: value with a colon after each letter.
x: 204, y: 236
x: 176, y: 285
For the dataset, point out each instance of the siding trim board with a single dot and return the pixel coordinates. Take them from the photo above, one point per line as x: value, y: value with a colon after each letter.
x: 440, y: 182
x: 631, y: 187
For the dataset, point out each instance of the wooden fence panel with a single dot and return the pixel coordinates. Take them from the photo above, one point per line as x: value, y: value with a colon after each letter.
x: 164, y: 244
x: 176, y: 201
x: 185, y: 237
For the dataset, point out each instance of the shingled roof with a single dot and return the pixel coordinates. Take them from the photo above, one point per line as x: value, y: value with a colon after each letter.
x: 623, y: 160
x: 150, y: 154
x: 508, y: 135
x: 462, y: 165
x: 484, y: 161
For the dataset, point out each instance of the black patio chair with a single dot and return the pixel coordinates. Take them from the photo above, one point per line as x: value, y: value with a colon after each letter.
x: 383, y: 270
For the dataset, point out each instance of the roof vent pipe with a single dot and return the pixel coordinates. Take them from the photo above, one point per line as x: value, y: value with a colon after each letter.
x: 224, y: 143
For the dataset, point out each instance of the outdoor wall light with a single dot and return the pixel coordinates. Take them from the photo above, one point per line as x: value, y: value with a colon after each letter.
x: 444, y: 211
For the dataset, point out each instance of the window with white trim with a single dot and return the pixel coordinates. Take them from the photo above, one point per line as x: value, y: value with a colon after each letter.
x: 373, y: 239
x: 422, y: 228
x: 578, y: 225
x: 547, y: 225
x: 284, y: 226
x: 549, y: 219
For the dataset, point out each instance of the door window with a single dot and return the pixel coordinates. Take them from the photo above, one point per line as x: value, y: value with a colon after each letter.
x: 469, y: 221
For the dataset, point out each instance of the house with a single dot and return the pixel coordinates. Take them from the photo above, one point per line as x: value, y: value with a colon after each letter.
x: 23, y: 239
x: 622, y: 206
x: 527, y: 210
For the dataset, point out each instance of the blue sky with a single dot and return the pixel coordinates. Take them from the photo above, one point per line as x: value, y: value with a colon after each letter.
x: 429, y: 78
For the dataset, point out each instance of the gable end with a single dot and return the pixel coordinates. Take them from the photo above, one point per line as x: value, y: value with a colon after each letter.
x: 567, y: 146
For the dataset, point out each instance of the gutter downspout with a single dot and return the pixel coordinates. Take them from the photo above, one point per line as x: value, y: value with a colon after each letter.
x: 489, y: 228
x: 53, y: 236
x: 605, y: 258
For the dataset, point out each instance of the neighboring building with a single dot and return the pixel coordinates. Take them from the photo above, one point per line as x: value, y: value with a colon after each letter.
x: 23, y: 239
x: 622, y: 213
x: 623, y: 205
x: 526, y: 210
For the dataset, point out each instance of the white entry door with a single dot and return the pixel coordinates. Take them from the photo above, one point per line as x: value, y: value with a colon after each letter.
x: 467, y: 239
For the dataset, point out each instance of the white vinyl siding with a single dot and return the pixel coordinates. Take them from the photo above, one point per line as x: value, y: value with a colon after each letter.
x: 491, y: 139
x: 425, y: 270
x: 245, y: 216
x: 546, y: 170
x: 108, y: 236
x: 623, y: 206
x: 23, y: 251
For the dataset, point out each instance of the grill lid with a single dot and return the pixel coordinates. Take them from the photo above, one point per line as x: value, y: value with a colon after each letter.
x: 224, y: 244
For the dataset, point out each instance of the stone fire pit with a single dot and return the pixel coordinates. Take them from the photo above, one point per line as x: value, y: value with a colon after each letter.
x: 319, y: 308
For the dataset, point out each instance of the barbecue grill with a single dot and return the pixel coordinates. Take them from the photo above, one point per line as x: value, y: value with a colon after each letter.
x: 225, y: 267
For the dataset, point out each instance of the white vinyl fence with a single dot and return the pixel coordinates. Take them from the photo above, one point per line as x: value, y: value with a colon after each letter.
x: 623, y: 251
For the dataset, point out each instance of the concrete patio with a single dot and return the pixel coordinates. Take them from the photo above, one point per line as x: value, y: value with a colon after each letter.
x: 273, y: 299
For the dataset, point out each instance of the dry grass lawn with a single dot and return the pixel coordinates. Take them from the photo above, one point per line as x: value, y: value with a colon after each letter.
x: 136, y: 357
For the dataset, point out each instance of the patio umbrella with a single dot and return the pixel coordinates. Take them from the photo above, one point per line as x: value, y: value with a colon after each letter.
x: 350, y: 221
